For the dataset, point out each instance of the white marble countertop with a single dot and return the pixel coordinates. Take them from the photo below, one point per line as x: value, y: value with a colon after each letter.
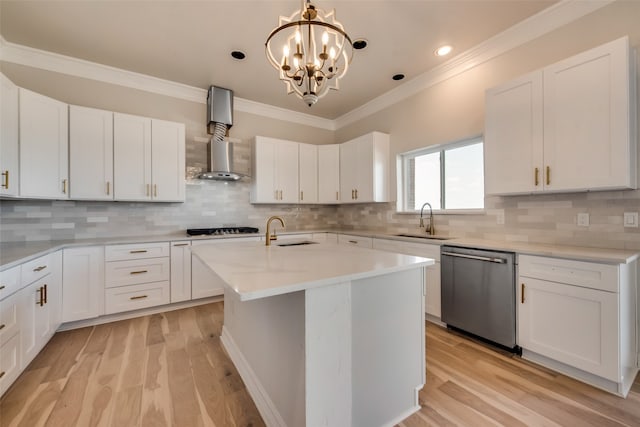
x: 254, y: 270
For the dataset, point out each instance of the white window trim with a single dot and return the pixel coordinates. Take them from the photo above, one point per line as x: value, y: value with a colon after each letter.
x: 402, y: 177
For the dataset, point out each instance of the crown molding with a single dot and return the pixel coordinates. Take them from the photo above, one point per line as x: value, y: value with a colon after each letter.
x: 543, y: 22
x: 531, y: 28
x: 36, y: 58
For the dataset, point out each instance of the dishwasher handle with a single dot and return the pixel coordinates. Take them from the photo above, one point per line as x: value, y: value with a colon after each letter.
x: 476, y: 257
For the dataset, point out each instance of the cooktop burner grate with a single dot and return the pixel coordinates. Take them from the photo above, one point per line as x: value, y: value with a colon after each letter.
x: 220, y: 231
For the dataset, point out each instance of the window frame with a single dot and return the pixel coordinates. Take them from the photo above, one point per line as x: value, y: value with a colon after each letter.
x: 403, y: 175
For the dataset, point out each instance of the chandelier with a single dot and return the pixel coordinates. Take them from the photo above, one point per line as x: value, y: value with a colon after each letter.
x: 312, y: 52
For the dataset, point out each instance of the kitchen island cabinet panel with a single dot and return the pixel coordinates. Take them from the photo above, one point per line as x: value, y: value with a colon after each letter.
x: 44, y: 147
x: 9, y: 148
x: 83, y: 283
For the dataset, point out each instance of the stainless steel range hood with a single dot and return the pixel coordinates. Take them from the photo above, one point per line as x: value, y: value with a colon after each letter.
x: 220, y: 149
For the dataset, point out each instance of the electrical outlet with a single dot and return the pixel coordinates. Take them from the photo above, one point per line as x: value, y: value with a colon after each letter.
x: 631, y: 219
x: 583, y: 220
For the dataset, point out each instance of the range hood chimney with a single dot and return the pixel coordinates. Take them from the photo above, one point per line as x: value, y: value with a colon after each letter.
x: 219, y: 149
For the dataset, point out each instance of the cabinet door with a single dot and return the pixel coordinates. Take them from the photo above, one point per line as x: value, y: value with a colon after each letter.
x: 167, y: 161
x: 587, y: 100
x: 131, y: 157
x: 432, y: 301
x: 308, y: 167
x: 287, y: 171
x: 44, y: 158
x: 513, y: 137
x: 180, y: 271
x: 348, y: 171
x: 90, y: 153
x: 263, y: 162
x: 9, y: 363
x: 570, y: 324
x: 365, y: 168
x: 329, y: 173
x: 8, y: 137
x: 35, y: 327
x: 83, y: 283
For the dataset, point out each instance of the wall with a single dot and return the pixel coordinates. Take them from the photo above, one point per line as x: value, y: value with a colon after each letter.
x: 454, y: 109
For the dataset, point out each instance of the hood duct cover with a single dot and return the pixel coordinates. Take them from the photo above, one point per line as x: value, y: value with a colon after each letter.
x: 220, y: 150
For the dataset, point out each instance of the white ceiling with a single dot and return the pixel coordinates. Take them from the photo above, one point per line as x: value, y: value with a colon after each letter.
x: 190, y: 41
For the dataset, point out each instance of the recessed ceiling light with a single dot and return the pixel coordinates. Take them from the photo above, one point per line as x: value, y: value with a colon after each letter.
x: 238, y: 54
x: 399, y: 76
x: 443, y: 50
x: 359, y: 44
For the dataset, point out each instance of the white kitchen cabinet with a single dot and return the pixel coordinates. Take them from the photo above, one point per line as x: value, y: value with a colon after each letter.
x: 329, y: 173
x: 83, y: 283
x: 579, y: 318
x: 432, y: 295
x: 90, y: 153
x: 167, y: 161
x: 9, y: 362
x: 274, y: 171
x: 44, y: 147
x: 204, y: 282
x: 308, y: 173
x: 10, y: 281
x: 131, y: 157
x: 40, y: 310
x: 9, y: 161
x: 567, y: 127
x: 364, y: 169
x: 180, y: 271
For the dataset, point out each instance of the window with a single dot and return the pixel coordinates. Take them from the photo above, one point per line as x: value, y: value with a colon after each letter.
x: 449, y: 176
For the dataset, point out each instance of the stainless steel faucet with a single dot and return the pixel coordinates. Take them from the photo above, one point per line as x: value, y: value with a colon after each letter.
x: 429, y: 229
x: 269, y: 237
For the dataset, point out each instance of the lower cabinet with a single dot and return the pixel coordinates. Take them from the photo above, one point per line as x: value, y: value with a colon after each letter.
x: 432, y: 298
x: 180, y: 271
x: 135, y: 297
x: 83, y: 282
x: 9, y: 362
x: 579, y: 318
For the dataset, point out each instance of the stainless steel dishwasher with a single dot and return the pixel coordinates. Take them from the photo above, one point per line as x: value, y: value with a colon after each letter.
x: 479, y: 293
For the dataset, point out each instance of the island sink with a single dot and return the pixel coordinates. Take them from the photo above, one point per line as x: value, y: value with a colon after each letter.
x: 426, y: 237
x: 306, y: 242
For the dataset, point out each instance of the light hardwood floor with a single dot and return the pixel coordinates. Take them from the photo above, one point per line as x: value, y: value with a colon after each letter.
x: 170, y: 370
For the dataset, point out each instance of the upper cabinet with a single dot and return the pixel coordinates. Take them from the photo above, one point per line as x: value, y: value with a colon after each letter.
x: 90, y: 153
x: 364, y: 169
x: 329, y: 173
x: 274, y: 171
x: 8, y: 137
x: 149, y: 159
x: 44, y: 158
x: 568, y: 127
x: 308, y: 173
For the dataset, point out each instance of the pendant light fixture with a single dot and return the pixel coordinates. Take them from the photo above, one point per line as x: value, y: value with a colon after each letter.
x: 311, y: 52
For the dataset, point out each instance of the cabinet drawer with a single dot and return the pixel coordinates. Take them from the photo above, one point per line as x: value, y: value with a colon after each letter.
x: 408, y: 248
x: 134, y: 297
x: 365, y: 242
x: 136, y: 251
x: 9, y: 281
x: 9, y: 362
x: 122, y: 273
x: 9, y: 310
x: 35, y: 269
x: 586, y: 274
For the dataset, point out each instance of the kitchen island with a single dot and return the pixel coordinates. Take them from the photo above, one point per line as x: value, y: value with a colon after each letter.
x: 324, y: 334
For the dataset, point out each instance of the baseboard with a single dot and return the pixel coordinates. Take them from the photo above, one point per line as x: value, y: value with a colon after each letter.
x: 137, y: 313
x: 402, y: 417
x: 263, y: 402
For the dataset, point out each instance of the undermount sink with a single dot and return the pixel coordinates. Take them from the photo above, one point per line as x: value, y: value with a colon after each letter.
x: 306, y: 242
x: 426, y: 236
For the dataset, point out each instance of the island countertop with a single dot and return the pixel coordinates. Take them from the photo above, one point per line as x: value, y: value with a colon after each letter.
x: 254, y: 270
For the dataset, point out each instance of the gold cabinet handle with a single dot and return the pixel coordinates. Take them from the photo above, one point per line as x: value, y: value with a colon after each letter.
x: 355, y: 242
x: 548, y: 175
x: 108, y: 188
x: 356, y: 194
x: 141, y: 251
x: 148, y: 190
x: 155, y: 190
x: 536, y: 177
x: 281, y: 195
x: 2, y: 374
x: 2, y: 326
x: 42, y: 267
x: 2, y: 287
x: 522, y: 293
x: 45, y: 293
x: 41, y: 292
x: 5, y: 176
x: 64, y: 186
x: 352, y: 194
x: 275, y: 194
x: 180, y: 244
x: 139, y: 272
x: 337, y: 196
x: 138, y: 297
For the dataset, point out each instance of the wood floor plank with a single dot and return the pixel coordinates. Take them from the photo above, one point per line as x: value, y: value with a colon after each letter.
x: 128, y: 402
x: 156, y: 398
x: 185, y: 408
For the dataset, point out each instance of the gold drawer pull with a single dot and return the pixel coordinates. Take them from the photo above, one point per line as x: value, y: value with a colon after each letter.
x: 2, y: 287
x: 45, y: 293
x: 41, y: 292
x: 522, y: 293
x: 180, y: 244
x: 355, y: 242
x: 356, y: 194
x: 42, y: 267
x: 108, y: 188
x: 2, y: 326
x: 5, y: 175
x: 548, y: 175
x: 536, y: 177
x: 302, y: 195
x: 2, y: 374
x: 148, y: 193
x: 139, y: 272
x: 64, y: 186
x: 139, y: 297
x: 143, y: 251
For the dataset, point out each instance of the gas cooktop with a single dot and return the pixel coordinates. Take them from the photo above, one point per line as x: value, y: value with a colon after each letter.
x: 220, y: 231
